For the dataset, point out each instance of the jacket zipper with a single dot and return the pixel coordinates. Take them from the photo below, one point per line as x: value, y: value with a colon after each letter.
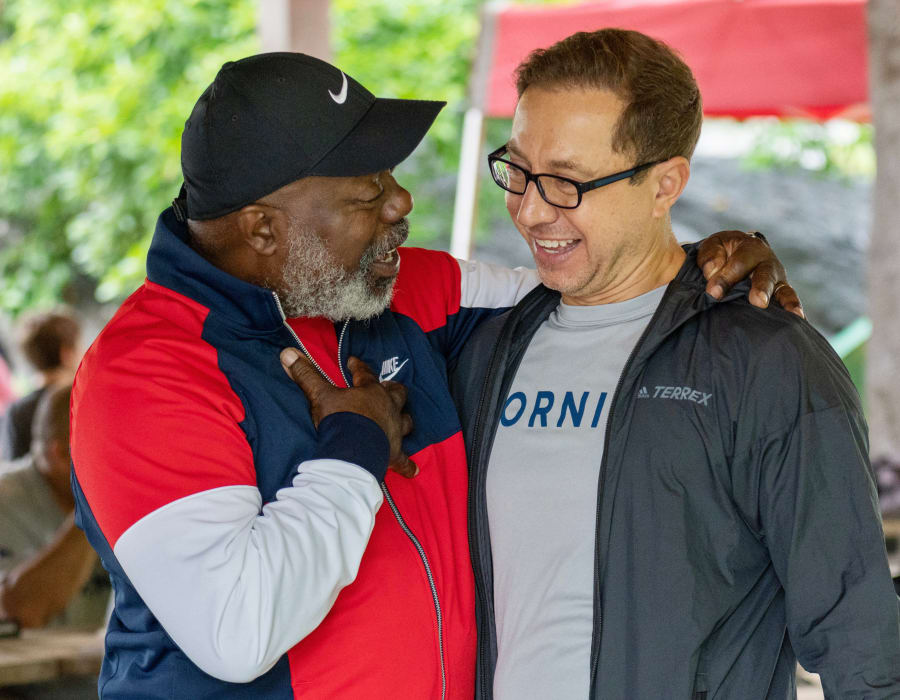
x: 307, y: 352
x: 473, y: 543
x: 431, y: 584
x: 478, y: 478
x: 384, y: 489
x: 598, y: 613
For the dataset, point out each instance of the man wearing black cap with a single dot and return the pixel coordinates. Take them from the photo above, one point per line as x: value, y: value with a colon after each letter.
x: 240, y: 522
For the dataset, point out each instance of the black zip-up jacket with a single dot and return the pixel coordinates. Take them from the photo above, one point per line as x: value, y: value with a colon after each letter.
x: 737, y: 522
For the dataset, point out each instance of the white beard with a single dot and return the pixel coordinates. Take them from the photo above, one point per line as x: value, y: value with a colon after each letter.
x: 314, y: 284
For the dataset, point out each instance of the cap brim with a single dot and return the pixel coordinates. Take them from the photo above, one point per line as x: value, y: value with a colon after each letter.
x: 385, y: 137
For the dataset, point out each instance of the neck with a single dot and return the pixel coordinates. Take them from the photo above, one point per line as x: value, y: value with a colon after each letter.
x: 656, y: 266
x: 57, y: 375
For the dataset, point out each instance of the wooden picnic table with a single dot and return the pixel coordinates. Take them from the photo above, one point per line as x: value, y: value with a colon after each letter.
x: 49, y: 654
x: 891, y: 527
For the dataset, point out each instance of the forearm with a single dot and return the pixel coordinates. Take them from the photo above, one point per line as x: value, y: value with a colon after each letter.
x: 235, y: 583
x: 40, y: 588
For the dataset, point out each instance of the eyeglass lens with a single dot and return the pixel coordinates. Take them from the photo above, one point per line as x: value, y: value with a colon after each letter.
x: 554, y: 190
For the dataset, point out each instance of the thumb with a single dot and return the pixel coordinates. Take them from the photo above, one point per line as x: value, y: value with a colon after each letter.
x: 301, y: 370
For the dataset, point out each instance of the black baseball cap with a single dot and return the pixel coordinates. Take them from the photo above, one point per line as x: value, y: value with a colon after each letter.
x: 270, y: 119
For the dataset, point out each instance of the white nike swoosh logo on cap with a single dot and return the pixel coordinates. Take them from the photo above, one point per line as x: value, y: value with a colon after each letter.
x: 341, y: 97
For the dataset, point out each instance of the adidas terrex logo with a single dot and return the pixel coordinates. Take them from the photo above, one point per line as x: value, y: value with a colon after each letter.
x: 390, y: 367
x: 678, y: 393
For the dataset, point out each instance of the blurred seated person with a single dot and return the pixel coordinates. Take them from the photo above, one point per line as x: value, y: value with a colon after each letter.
x: 7, y: 394
x: 49, y: 574
x: 51, y: 343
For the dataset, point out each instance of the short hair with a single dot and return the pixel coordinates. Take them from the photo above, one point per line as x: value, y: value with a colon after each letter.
x: 663, y: 109
x: 44, y: 336
x: 51, y: 417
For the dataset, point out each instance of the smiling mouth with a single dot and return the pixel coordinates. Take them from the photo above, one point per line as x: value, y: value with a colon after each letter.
x: 386, y: 263
x: 389, y: 258
x: 553, y: 246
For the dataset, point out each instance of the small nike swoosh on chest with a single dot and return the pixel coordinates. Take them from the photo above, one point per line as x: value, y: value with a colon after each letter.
x: 391, y: 375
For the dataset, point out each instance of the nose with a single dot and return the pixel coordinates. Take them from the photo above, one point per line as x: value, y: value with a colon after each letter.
x: 398, y: 202
x: 531, y: 209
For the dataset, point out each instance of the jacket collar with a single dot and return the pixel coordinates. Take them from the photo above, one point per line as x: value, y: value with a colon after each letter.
x: 173, y: 264
x: 685, y: 297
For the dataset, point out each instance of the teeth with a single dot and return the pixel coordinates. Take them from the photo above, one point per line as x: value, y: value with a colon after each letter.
x: 553, y: 243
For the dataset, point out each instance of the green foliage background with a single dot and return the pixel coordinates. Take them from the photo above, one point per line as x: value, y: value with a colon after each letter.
x: 93, y: 98
x: 92, y: 102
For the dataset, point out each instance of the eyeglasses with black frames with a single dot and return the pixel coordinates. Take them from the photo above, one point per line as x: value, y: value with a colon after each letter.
x: 559, y: 191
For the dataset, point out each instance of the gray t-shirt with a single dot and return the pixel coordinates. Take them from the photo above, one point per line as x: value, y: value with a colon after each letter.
x: 29, y: 514
x: 29, y: 520
x: 542, y: 495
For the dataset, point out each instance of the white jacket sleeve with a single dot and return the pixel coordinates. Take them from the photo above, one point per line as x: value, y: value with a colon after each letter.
x: 236, y: 584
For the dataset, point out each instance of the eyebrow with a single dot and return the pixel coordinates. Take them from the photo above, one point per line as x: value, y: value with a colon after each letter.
x: 564, y: 164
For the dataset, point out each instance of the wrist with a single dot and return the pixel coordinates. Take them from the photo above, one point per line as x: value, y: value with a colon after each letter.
x: 354, y: 438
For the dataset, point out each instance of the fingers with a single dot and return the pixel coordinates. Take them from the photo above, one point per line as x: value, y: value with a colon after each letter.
x: 361, y: 372
x: 381, y: 402
x: 763, y: 281
x: 747, y: 254
x: 727, y: 257
x: 712, y: 255
x: 404, y: 466
x: 301, y: 370
x: 396, y: 391
x: 785, y: 296
x: 715, y: 249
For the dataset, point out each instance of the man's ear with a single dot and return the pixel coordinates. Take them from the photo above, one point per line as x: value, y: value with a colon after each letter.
x: 671, y: 179
x: 258, y: 228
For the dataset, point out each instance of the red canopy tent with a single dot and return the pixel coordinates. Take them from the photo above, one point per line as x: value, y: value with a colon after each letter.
x: 786, y: 58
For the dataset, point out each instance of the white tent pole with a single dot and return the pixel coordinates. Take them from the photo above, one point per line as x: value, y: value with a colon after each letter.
x: 467, y: 183
x: 473, y: 136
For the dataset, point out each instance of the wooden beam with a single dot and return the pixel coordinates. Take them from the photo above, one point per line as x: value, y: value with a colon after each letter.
x: 883, y: 351
x: 296, y: 25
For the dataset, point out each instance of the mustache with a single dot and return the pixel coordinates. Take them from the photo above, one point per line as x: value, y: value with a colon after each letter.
x: 396, y: 236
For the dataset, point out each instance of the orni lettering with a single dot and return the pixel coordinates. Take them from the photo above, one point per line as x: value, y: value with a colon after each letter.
x: 548, y: 409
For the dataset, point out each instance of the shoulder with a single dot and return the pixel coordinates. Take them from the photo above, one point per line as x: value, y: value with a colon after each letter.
x: 469, y: 373
x: 156, y: 332
x: 25, y: 498
x: 150, y: 367
x: 782, y: 359
x: 25, y: 404
x: 19, y: 476
x: 522, y: 320
x: 422, y: 270
x: 776, y: 335
x: 17, y: 421
x: 13, y: 484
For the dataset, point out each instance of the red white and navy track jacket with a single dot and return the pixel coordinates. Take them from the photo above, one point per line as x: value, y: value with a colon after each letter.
x: 251, y: 555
